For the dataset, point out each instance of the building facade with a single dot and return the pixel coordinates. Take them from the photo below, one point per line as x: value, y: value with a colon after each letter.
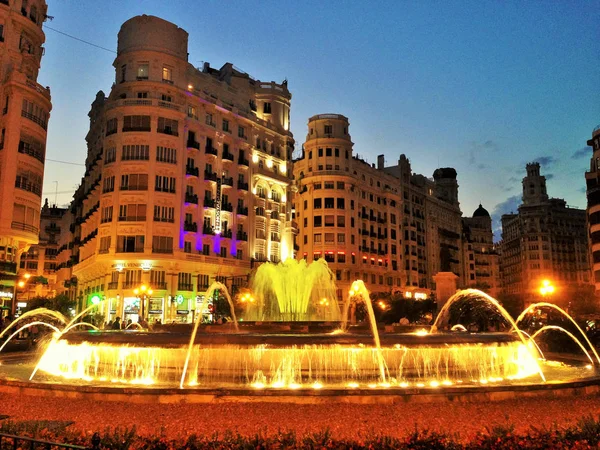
x: 592, y: 180
x: 545, y: 240
x: 187, y: 180
x: 25, y: 111
x: 385, y: 225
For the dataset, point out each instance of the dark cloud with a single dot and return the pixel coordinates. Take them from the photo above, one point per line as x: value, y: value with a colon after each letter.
x: 546, y: 160
x: 582, y: 152
x: 478, y: 148
x: 514, y: 180
x: 510, y: 205
x: 583, y: 190
x: 549, y: 176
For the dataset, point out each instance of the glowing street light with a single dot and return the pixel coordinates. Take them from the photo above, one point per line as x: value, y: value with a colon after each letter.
x: 547, y: 288
x: 143, y: 292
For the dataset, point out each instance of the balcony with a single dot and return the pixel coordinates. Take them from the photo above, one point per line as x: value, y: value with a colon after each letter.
x: 210, y: 176
x: 227, y: 207
x: 274, y: 215
x: 211, y: 151
x: 227, y: 234
x: 159, y: 285
x: 243, y: 162
x: 168, y: 130
x: 185, y: 287
x: 28, y: 149
x: 373, y: 234
x: 275, y: 238
x: 209, y: 202
x: 242, y: 211
x: 112, y: 285
x: 165, y: 251
x: 52, y: 229
x: 228, y: 156
x: 8, y: 267
x: 208, y: 230
x: 373, y: 218
x: 24, y: 227
x: 190, y: 226
x: 242, y: 186
x: 193, y: 144
x: 132, y: 218
x: 241, y: 236
x: 24, y: 184
x: 227, y: 181
x: 191, y: 198
x: 126, y: 129
x: 364, y: 232
x: 192, y: 171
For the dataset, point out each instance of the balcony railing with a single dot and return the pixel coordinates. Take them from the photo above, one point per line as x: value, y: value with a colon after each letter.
x: 132, y: 218
x: 241, y: 236
x: 243, y: 162
x: 113, y: 285
x: 227, y: 181
x: 274, y: 215
x: 242, y: 186
x: 193, y: 144
x: 162, y: 250
x: 193, y: 171
x: 211, y: 151
x: 227, y: 234
x: 41, y: 122
x: 242, y: 211
x: 210, y: 176
x: 228, y: 156
x: 126, y: 129
x: 209, y: 202
x: 191, y: 198
x: 190, y: 226
x: 185, y: 287
x: 227, y: 207
x: 29, y: 150
x: 159, y: 285
x: 22, y: 183
x: 167, y: 130
x: 208, y: 230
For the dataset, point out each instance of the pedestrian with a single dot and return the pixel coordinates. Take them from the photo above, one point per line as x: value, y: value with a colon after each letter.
x: 116, y: 324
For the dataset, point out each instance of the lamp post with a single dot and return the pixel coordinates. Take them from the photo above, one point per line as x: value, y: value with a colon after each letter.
x: 143, y: 292
x: 547, y: 289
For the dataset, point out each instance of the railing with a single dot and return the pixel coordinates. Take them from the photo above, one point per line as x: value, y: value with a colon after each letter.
x: 242, y: 186
x: 22, y: 442
x: 227, y: 234
x: 35, y: 119
x: 243, y: 162
x: 227, y: 207
x: 209, y: 202
x: 125, y: 129
x: 8, y: 267
x: 190, y: 226
x: 192, y: 144
x: 208, y: 230
x: 113, y: 285
x: 27, y: 150
x: 211, y: 151
x: 227, y: 181
x: 242, y: 211
x: 160, y: 285
x: 228, y: 156
x: 193, y: 171
x: 168, y: 105
x: 191, y: 198
x: 168, y: 130
x: 162, y: 250
x: 132, y: 218
x: 241, y: 236
x: 210, y: 176
x: 185, y: 287
x: 24, y: 227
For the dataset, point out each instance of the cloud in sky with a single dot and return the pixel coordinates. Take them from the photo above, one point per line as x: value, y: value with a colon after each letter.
x: 510, y: 205
x: 545, y: 160
x: 549, y: 176
x: 582, y: 152
x: 476, y: 149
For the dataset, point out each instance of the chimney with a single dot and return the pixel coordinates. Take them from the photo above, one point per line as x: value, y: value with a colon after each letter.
x: 380, y: 162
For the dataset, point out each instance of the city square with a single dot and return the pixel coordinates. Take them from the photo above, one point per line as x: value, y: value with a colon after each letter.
x: 212, y: 281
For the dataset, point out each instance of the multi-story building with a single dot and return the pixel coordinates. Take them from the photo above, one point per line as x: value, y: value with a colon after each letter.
x: 384, y: 225
x: 23, y: 124
x: 39, y: 262
x: 187, y: 179
x: 481, y: 265
x: 546, y: 239
x: 592, y: 179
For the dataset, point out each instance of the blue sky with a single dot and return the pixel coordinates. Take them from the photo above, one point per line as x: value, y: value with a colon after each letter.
x: 481, y: 86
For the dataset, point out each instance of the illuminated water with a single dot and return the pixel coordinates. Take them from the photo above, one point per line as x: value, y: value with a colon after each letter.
x: 255, y: 356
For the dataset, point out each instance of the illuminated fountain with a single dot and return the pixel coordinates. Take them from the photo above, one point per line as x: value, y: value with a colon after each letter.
x: 338, y: 357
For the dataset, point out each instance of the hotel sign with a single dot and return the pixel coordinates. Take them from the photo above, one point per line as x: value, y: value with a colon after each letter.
x: 6, y: 294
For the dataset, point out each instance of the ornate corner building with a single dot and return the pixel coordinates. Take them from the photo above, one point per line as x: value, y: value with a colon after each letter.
x: 545, y: 239
x: 187, y: 180
x: 25, y: 108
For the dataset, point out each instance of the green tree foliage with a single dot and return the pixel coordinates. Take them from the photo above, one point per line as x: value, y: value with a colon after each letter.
x: 60, y: 303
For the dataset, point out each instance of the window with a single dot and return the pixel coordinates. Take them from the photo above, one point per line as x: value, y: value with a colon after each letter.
x: 132, y: 213
x: 226, y: 125
x: 107, y: 213
x: 341, y: 221
x: 320, y: 152
x: 167, y: 155
x: 329, y: 130
x: 341, y: 204
x: 35, y: 113
x: 341, y: 258
x: 1, y: 33
x: 327, y: 152
x: 329, y: 221
x: 108, y: 184
x: 135, y: 153
x: 341, y: 237
x: 267, y: 108
x: 165, y: 184
x: 110, y: 155
x: 340, y: 185
x: 317, y: 203
x: 123, y: 72
x: 134, y: 182
x: 164, y: 214
x: 142, y: 95
x: 329, y: 202
x: 223, y: 252
x: 142, y: 71
x: 317, y: 221
x: 337, y: 153
x: 136, y: 123
x: 329, y: 185
x: 167, y: 74
x: 305, y: 204
x: 209, y: 120
x: 162, y: 244
x: 317, y: 238
x: 329, y: 238
x: 168, y: 126
x: 242, y: 132
x: 130, y: 244
x: 309, y: 155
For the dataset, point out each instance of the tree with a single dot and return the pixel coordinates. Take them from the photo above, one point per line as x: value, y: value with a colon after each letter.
x: 60, y: 303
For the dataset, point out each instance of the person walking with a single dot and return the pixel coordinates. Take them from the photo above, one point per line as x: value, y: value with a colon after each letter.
x: 116, y: 324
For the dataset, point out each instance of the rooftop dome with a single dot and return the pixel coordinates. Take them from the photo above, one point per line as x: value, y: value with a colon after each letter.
x: 481, y: 212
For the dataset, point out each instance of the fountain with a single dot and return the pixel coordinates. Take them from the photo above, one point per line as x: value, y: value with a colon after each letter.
x: 325, y: 354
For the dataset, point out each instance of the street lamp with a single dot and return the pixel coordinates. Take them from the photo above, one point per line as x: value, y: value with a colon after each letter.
x: 143, y: 292
x: 547, y: 288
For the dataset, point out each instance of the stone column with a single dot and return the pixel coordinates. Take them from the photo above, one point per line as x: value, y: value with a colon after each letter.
x: 445, y: 287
